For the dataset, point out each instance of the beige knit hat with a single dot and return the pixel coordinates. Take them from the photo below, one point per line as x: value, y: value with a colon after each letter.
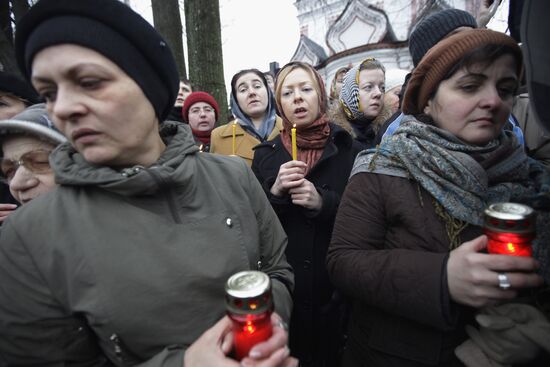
x: 442, y: 57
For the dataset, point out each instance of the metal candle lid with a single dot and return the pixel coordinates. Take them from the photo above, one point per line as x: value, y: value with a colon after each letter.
x: 510, y: 217
x: 248, y: 292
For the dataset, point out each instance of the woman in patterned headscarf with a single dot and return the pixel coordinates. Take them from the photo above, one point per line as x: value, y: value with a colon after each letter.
x: 361, y: 109
x: 336, y: 85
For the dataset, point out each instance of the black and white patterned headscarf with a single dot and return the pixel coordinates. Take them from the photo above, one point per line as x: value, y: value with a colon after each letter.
x: 349, y: 94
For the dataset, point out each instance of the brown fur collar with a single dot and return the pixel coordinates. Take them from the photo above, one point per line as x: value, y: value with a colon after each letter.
x: 337, y: 116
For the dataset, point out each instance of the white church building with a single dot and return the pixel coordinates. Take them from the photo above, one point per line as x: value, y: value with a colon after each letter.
x: 337, y: 33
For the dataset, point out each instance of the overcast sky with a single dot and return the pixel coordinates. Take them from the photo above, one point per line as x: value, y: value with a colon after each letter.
x: 254, y: 32
x: 257, y: 32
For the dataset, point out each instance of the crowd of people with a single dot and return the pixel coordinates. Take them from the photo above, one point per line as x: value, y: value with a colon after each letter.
x: 126, y: 204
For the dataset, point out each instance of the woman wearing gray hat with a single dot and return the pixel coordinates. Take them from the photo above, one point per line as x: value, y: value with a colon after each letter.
x: 15, y: 96
x: 26, y: 141
x: 127, y: 259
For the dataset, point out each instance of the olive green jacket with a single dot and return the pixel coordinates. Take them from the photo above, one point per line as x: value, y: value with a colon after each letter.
x: 128, y: 267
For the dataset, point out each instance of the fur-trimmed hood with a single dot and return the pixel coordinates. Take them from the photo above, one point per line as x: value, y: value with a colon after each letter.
x: 337, y: 116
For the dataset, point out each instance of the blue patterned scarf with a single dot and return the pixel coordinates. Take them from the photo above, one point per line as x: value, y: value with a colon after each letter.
x: 463, y: 178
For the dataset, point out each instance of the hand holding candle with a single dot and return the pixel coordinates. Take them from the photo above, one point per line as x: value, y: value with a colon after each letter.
x: 249, y: 305
x: 294, y: 147
x: 467, y: 262
x: 510, y: 228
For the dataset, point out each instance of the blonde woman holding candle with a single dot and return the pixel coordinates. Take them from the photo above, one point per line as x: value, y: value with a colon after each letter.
x: 255, y: 121
x: 305, y: 194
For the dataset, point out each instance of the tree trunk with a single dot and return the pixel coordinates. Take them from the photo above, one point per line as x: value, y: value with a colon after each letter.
x: 7, y: 55
x: 204, y: 50
x: 20, y: 8
x: 5, y: 20
x: 166, y: 16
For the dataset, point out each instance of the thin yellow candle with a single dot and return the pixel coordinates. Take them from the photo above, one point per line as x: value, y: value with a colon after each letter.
x: 234, y: 127
x: 294, y: 149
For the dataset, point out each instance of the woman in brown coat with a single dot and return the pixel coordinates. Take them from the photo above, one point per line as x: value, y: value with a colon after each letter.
x: 407, y: 243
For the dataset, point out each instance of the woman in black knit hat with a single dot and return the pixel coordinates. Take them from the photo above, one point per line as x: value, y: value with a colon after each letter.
x: 127, y: 259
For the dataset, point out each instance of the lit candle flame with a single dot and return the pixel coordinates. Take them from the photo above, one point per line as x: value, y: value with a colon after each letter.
x: 249, y: 327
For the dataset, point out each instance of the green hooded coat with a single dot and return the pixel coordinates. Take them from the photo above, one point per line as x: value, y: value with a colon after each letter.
x: 128, y: 267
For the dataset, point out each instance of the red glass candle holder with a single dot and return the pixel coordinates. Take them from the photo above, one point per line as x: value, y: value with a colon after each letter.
x: 510, y: 228
x: 249, y: 304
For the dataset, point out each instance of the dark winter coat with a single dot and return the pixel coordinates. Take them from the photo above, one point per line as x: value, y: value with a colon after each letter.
x: 389, y: 253
x: 316, y: 319
x: 128, y: 267
x: 175, y: 115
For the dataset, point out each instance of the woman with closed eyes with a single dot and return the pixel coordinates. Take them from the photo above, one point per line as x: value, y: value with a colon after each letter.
x: 15, y: 96
x: 27, y: 139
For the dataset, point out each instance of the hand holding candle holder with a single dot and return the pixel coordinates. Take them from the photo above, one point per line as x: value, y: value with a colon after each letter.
x: 249, y: 304
x: 510, y: 228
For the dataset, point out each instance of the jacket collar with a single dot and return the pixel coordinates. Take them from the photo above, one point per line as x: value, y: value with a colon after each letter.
x: 227, y: 130
x: 71, y: 169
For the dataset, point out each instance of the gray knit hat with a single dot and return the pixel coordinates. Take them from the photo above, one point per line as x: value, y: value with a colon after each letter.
x: 32, y: 121
x: 434, y: 28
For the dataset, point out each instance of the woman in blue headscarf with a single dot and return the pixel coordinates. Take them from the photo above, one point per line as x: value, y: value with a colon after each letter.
x: 255, y: 121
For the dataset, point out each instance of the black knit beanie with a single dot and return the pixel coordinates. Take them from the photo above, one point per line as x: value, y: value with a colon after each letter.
x: 434, y: 28
x: 11, y: 84
x: 110, y: 28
